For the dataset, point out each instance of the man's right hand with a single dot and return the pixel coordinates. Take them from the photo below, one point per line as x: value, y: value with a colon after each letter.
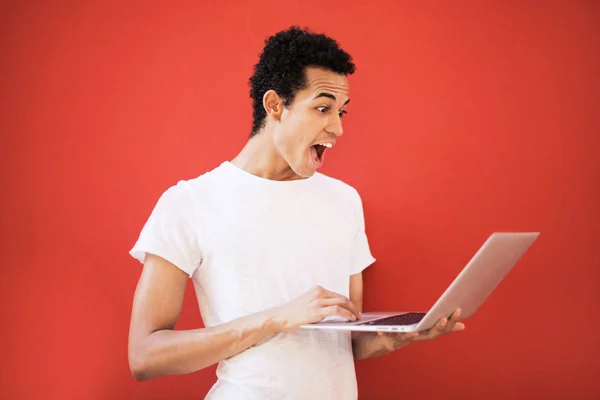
x: 313, y: 306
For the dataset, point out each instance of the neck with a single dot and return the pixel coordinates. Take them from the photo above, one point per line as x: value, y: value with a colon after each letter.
x: 259, y: 157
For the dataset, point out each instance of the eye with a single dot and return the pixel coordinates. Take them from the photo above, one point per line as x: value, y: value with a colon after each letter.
x: 323, y: 109
x: 342, y: 112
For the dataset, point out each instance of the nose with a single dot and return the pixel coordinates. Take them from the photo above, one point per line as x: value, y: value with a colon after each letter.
x: 335, y: 126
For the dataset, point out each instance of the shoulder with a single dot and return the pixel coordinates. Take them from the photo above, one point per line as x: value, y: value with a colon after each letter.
x: 342, y: 191
x: 188, y: 190
x: 337, y: 185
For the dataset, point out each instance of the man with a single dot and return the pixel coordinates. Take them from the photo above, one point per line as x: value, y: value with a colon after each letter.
x: 270, y: 244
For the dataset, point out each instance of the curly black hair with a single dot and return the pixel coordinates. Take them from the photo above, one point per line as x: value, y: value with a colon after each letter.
x: 282, y: 66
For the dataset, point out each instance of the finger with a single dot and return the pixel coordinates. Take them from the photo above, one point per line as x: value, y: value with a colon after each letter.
x: 323, y: 293
x: 342, y: 302
x: 337, y: 311
x: 432, y: 334
x: 452, y: 321
x: 434, y: 331
x: 327, y: 294
x: 425, y: 335
x: 404, y: 335
x: 439, y: 328
x: 456, y: 314
x: 459, y: 327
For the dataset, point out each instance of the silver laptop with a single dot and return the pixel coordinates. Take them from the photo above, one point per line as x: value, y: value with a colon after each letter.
x: 472, y: 286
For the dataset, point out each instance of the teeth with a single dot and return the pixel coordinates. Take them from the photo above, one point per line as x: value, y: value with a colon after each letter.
x: 328, y: 145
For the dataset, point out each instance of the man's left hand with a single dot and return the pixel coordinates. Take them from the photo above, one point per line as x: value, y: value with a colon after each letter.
x: 394, y: 341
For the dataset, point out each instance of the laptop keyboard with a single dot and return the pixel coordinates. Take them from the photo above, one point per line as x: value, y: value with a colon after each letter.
x: 403, y: 319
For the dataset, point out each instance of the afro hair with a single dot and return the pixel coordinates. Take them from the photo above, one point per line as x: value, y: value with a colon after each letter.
x: 282, y: 66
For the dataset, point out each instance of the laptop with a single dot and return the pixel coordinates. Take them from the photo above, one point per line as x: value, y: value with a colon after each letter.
x: 488, y: 267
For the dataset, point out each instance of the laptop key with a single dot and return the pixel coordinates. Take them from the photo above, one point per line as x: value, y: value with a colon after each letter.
x: 403, y: 319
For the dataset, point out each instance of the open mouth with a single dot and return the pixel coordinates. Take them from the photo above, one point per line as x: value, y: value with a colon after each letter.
x: 320, y: 149
x: 317, y: 152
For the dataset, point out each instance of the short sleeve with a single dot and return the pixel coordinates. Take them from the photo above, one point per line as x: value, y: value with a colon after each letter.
x: 170, y: 232
x: 361, y: 252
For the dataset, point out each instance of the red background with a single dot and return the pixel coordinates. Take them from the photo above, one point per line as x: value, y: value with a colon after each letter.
x: 467, y: 117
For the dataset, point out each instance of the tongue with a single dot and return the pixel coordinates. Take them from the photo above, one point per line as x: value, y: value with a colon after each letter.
x: 315, y: 157
x: 313, y: 154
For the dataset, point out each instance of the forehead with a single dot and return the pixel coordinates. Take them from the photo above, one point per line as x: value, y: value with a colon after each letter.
x: 322, y: 80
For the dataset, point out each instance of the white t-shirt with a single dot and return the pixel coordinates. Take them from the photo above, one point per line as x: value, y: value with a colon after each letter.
x: 250, y: 244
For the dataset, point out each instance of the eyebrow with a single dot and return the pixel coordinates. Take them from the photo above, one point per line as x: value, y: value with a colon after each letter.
x: 330, y: 96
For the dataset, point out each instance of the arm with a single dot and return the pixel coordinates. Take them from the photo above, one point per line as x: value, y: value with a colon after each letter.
x: 155, y: 349
x: 376, y: 344
x: 364, y: 344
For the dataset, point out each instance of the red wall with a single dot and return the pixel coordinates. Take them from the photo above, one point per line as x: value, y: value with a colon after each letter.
x: 466, y: 118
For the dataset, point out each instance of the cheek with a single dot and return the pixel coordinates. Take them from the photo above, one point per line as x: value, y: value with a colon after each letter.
x: 294, y: 137
x: 286, y: 142
x: 296, y: 134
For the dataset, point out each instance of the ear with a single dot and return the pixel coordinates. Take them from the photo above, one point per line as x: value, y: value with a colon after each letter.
x: 273, y: 104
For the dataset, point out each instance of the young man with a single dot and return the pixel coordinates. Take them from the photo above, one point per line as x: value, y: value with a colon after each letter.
x: 270, y: 244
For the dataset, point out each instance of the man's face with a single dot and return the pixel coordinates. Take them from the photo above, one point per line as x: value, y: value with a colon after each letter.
x: 313, y: 122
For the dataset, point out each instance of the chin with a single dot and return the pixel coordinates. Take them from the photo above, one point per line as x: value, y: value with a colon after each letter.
x: 304, y: 171
x: 301, y: 165
x: 309, y: 174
